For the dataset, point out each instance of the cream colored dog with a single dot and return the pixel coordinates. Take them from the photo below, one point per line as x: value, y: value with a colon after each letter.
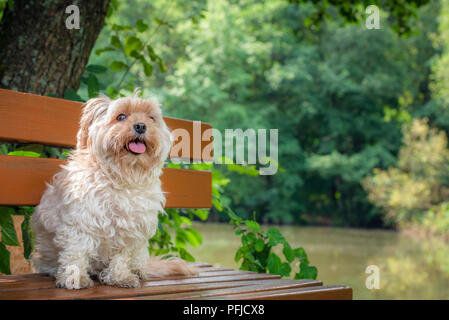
x: 97, y: 215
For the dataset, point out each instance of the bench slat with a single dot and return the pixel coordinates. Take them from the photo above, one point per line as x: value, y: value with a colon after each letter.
x: 309, y: 293
x: 23, y: 182
x: 251, y: 287
x: 41, y: 287
x: 37, y: 119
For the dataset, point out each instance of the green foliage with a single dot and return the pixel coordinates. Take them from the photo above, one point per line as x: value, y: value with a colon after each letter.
x: 257, y: 250
x: 260, y: 66
x: 435, y: 220
x: 9, y: 236
x: 420, y: 182
x: 401, y: 12
x: 5, y: 4
x: 175, y: 222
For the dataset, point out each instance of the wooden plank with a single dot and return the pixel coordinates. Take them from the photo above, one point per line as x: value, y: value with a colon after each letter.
x: 310, y: 293
x: 108, y: 292
x: 40, y: 288
x: 37, y: 119
x: 23, y: 182
x: 253, y: 287
x: 40, y: 281
x: 200, y: 264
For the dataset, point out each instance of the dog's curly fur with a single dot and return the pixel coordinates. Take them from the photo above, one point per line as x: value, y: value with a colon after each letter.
x: 97, y: 215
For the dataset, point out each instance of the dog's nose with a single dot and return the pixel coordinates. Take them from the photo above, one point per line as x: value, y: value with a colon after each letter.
x: 140, y: 127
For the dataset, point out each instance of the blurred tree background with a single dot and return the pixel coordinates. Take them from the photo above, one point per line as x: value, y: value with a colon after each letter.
x: 338, y: 93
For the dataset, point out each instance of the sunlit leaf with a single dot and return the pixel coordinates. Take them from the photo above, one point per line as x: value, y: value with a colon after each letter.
x: 117, y: 66
x: 141, y: 26
x: 9, y: 235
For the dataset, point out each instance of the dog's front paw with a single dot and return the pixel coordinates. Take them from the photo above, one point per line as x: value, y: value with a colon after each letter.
x: 128, y: 280
x: 132, y: 281
x: 72, y: 278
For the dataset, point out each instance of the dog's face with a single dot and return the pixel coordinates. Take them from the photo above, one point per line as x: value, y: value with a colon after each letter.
x: 130, y: 132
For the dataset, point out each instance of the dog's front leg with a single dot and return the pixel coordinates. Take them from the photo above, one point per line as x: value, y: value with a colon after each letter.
x: 118, y: 273
x: 72, y: 270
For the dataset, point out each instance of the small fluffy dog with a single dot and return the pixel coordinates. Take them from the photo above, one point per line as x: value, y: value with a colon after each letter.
x: 97, y: 215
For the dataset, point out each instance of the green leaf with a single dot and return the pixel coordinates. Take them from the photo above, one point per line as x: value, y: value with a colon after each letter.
x: 193, y: 236
x: 117, y: 27
x: 288, y: 252
x: 9, y: 236
x: 253, y: 225
x: 159, y: 21
x: 161, y: 252
x: 307, y: 272
x: 186, y: 256
x: 152, y: 53
x: 96, y: 68
x: 274, y: 264
x: 147, y: 68
x: 248, y: 170
x: 26, y: 236
x: 185, y: 220
x: 137, y: 55
x: 180, y: 240
x: 110, y: 11
x: 24, y: 153
x: 4, y: 259
x: 275, y: 237
x: 111, y: 92
x: 301, y: 254
x: 201, y: 213
x: 115, y: 42
x: 114, y: 4
x: 259, y: 245
x: 141, y: 26
x: 100, y: 51
x: 217, y: 204
x: 117, y: 66
x: 72, y: 95
x: 244, y: 240
x: 285, y: 269
x: 132, y: 44
x: 35, y: 147
x: 93, y: 86
x: 162, y: 65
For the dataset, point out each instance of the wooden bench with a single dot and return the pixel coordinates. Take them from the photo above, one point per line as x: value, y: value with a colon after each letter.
x: 36, y: 119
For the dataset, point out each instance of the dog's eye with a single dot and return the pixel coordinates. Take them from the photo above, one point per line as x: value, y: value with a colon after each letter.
x: 152, y: 118
x: 121, y: 117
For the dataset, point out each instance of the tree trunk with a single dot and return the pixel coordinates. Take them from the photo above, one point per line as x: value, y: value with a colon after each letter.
x: 38, y: 53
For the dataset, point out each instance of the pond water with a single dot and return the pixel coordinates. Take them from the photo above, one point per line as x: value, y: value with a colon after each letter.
x: 409, y: 268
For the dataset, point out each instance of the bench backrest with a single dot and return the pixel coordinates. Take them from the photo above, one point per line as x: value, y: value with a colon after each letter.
x: 51, y: 121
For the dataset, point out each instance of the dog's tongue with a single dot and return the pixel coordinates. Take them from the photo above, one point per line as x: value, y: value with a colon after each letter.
x: 137, y: 147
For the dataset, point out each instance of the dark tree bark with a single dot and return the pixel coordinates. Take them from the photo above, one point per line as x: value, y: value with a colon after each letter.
x: 38, y: 54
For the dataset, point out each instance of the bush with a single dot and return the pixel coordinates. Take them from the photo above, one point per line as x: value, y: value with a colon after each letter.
x: 419, y: 183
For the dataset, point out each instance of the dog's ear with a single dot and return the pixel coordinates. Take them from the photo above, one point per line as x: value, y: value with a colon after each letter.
x: 92, y: 109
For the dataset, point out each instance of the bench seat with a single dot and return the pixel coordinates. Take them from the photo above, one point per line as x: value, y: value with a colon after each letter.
x: 211, y: 283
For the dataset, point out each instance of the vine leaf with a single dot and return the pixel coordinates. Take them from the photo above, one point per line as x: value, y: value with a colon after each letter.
x: 9, y: 236
x: 4, y: 260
